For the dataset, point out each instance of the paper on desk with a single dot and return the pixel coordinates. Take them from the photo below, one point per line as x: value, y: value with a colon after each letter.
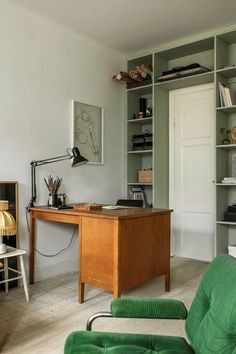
x: 114, y: 207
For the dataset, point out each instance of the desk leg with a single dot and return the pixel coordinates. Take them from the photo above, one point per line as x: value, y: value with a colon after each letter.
x: 31, y: 249
x: 167, y: 282
x: 116, y: 293
x: 81, y: 292
x: 80, y: 284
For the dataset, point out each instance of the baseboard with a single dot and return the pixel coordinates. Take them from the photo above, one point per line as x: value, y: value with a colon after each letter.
x: 52, y: 270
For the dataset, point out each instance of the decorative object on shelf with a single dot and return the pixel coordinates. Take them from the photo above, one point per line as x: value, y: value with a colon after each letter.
x: 88, y: 130
x: 142, y: 106
x: 134, y: 116
x: 145, y: 176
x: 123, y: 76
x: 87, y: 206
x: 226, y: 133
x: 140, y: 76
x: 233, y: 135
x: 148, y: 111
x: 7, y: 224
x: 137, y: 193
x: 182, y: 71
x: 140, y: 115
x: 74, y: 154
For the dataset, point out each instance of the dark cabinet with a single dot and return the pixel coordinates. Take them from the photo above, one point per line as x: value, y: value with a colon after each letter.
x: 9, y: 191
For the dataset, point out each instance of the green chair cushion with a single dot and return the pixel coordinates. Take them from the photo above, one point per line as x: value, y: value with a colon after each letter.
x: 148, y: 308
x: 211, y: 322
x: 85, y: 342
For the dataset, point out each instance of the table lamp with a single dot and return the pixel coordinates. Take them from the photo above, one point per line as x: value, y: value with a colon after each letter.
x: 74, y: 154
x: 7, y: 224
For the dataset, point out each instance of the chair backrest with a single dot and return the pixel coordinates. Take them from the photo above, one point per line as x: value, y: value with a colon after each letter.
x: 211, y: 322
x: 130, y: 202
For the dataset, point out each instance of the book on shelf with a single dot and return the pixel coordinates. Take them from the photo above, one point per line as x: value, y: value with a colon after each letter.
x: 227, y: 95
x: 229, y: 180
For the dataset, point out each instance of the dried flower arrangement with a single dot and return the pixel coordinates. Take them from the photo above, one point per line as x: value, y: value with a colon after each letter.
x: 140, y: 76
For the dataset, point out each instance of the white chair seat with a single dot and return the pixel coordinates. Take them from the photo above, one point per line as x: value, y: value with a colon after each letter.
x: 14, y: 252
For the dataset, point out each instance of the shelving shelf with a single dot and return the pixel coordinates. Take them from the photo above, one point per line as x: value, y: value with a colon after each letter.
x: 140, y: 152
x: 140, y: 88
x: 226, y: 223
x: 226, y: 146
x: 226, y: 184
x: 227, y: 72
x: 139, y: 184
x: 145, y: 120
x: 227, y: 109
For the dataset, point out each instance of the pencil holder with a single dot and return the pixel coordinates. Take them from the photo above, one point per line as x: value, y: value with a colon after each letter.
x: 52, y: 200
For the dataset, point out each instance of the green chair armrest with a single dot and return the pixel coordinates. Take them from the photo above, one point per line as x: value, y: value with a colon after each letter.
x: 148, y: 308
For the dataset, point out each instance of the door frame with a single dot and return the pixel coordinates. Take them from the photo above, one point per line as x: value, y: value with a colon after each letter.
x: 173, y: 93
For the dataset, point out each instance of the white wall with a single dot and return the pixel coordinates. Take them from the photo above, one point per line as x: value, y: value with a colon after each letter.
x: 43, y: 66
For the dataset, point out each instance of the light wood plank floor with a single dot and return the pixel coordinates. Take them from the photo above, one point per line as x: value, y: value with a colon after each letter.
x: 42, y: 325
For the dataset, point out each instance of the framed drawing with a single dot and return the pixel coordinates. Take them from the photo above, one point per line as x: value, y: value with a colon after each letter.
x: 88, y: 131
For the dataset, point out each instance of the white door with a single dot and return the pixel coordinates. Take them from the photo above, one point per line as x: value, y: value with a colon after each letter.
x: 192, y: 171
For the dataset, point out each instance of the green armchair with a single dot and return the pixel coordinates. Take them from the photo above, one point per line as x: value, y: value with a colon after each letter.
x: 210, y: 323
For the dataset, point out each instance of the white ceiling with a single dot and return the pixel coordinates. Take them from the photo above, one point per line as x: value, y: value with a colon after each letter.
x: 131, y: 25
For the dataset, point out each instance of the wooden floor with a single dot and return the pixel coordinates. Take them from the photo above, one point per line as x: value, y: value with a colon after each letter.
x: 42, y: 325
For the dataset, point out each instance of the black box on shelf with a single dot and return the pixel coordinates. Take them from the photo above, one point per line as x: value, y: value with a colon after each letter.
x: 231, y: 208
x: 142, y: 141
x: 230, y: 216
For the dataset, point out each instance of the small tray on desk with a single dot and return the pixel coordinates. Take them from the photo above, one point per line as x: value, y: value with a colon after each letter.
x: 87, y: 206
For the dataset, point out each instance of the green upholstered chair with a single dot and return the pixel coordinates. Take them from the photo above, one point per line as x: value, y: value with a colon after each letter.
x: 210, y: 323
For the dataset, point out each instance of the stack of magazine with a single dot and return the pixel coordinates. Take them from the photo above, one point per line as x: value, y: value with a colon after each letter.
x: 229, y: 180
x: 182, y: 71
x: 227, y: 95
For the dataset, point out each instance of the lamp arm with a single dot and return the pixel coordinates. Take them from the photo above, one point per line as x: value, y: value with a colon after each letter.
x: 35, y: 163
x: 33, y: 186
x: 51, y: 160
x: 74, y: 153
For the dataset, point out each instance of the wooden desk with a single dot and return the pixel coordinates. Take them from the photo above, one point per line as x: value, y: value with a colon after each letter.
x: 118, y: 249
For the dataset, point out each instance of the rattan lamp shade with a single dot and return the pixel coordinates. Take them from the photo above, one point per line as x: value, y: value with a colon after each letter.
x: 7, y: 224
x: 4, y: 204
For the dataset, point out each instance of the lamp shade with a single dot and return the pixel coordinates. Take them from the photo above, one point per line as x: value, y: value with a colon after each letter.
x: 78, y: 159
x: 7, y: 224
x: 7, y: 221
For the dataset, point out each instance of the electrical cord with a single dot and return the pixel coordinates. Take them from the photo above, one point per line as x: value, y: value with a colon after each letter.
x: 59, y: 252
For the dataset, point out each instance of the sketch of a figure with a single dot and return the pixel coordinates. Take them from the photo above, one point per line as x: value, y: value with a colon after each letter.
x: 85, y: 131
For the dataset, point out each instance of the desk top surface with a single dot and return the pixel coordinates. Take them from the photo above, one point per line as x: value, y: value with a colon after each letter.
x: 121, y: 213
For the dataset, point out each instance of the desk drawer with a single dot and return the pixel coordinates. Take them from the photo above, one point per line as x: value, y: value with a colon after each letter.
x: 97, y: 252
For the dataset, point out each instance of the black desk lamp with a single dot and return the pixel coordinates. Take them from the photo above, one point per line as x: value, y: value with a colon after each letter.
x: 74, y: 154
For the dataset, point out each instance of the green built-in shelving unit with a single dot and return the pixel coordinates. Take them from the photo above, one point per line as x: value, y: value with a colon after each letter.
x: 218, y: 54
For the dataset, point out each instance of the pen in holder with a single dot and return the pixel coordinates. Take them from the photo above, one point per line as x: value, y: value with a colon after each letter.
x: 52, y: 200
x: 53, y: 186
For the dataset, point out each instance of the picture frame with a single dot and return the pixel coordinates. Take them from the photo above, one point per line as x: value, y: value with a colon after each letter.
x: 88, y: 131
